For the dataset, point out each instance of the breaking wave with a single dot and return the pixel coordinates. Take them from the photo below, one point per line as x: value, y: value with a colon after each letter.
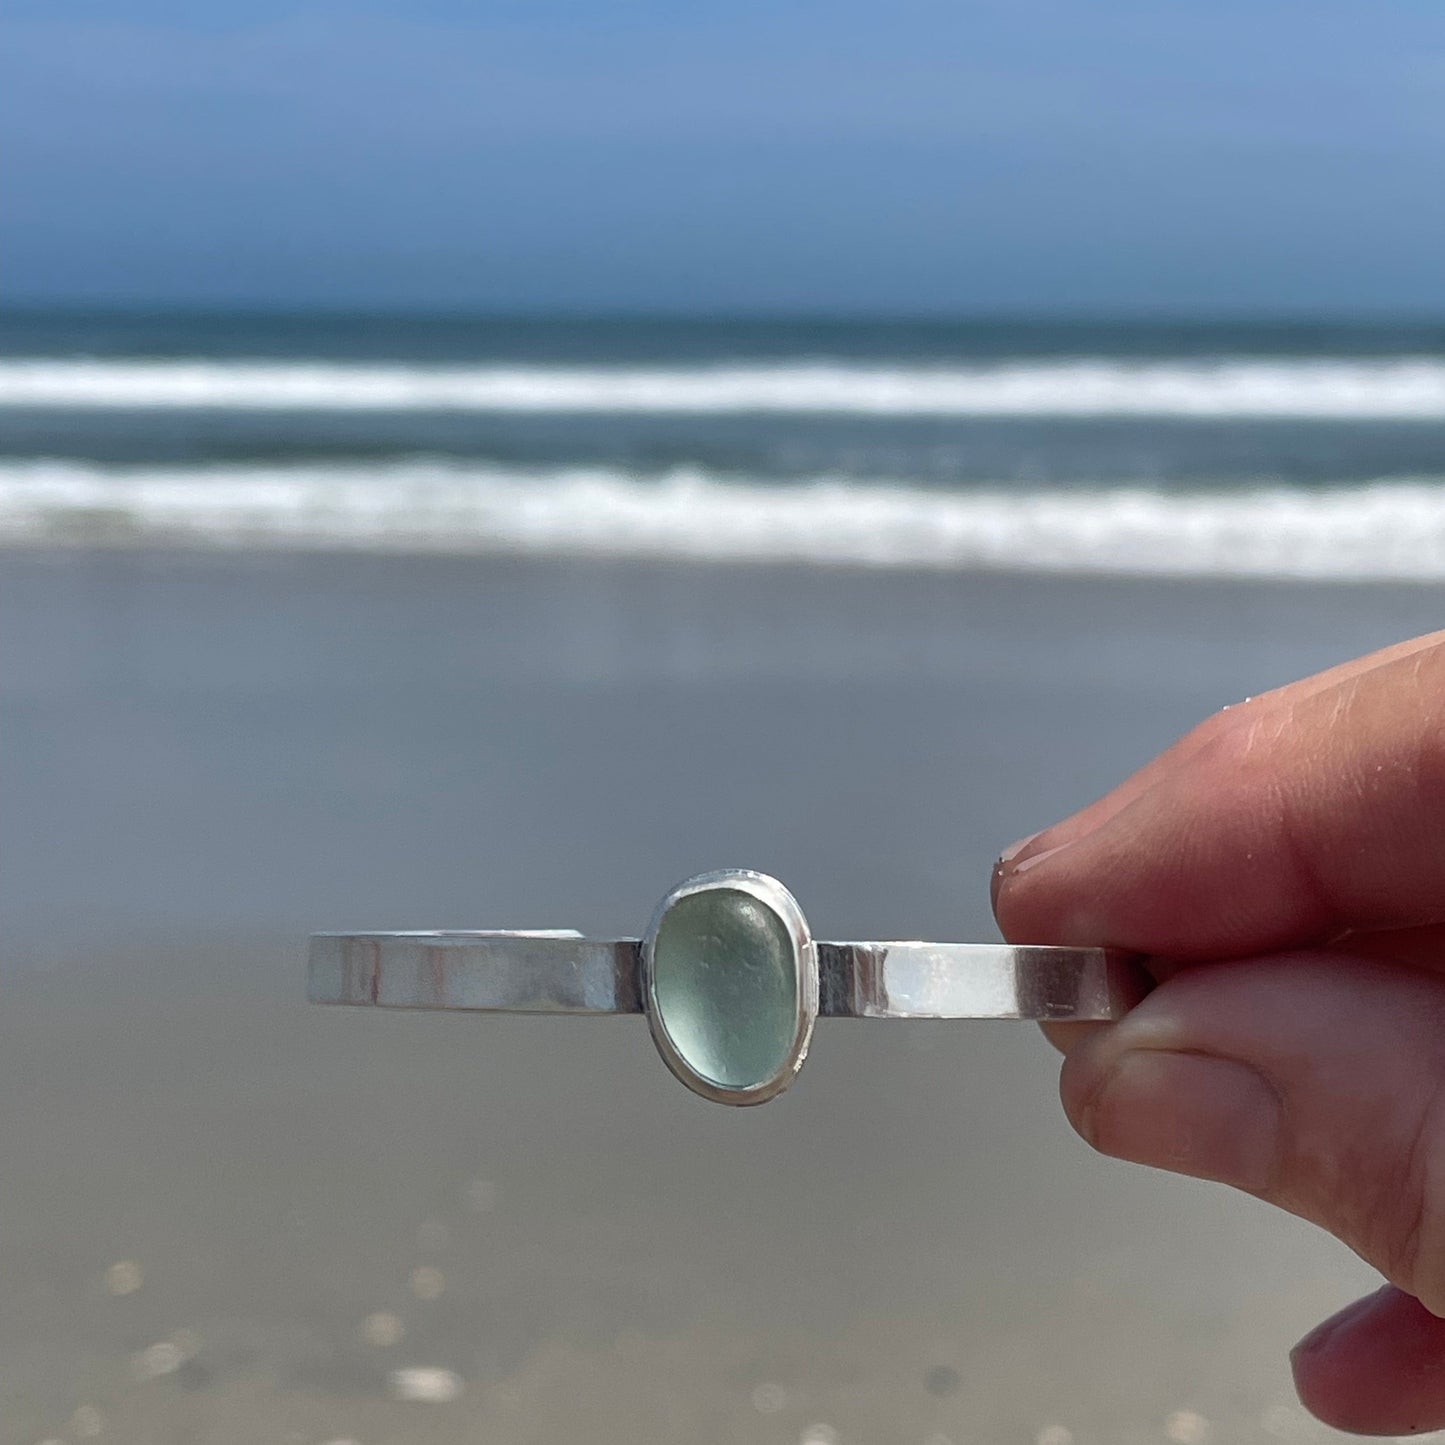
x: 1385, y: 530
x: 1400, y: 388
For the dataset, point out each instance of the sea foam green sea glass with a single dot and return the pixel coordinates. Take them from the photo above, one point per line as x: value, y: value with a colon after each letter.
x: 725, y: 986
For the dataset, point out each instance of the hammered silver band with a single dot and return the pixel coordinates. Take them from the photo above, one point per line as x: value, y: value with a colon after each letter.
x: 562, y: 972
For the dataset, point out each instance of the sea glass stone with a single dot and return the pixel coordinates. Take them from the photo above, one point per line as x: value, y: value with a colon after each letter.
x: 725, y: 986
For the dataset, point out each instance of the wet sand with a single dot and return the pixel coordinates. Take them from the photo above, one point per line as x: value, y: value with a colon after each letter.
x: 202, y: 757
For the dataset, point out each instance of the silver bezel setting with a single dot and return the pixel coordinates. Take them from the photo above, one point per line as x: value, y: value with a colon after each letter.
x: 775, y: 897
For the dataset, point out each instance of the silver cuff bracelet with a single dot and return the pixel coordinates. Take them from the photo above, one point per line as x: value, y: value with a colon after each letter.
x: 729, y: 976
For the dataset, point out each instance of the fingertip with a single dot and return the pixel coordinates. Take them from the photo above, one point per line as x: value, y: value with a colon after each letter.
x: 1066, y: 1037
x: 1375, y: 1368
x: 1016, y: 850
x: 1007, y: 864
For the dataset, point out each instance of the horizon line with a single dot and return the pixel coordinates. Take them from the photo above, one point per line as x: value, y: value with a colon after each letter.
x: 1124, y: 316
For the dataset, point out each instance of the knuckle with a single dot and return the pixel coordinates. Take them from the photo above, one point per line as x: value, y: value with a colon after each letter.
x: 1401, y: 1223
x: 1418, y: 1246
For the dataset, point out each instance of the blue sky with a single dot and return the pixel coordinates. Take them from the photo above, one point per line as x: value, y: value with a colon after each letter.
x: 913, y: 156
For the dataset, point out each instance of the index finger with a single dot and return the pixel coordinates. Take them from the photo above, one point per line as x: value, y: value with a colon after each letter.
x: 1102, y: 809
x: 1313, y: 810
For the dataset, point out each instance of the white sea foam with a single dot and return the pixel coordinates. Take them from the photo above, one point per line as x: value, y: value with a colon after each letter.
x: 1400, y: 388
x: 1393, y: 529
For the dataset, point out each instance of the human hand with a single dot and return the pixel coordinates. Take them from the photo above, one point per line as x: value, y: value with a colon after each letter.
x: 1282, y: 868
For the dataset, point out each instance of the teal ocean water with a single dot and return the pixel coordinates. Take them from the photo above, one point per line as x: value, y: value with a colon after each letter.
x: 1170, y: 448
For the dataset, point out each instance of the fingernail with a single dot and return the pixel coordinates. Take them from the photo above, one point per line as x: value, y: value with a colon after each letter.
x: 1189, y: 1113
x: 1003, y: 865
x: 1319, y: 1338
x: 1025, y: 861
x: 1006, y: 858
x: 1028, y: 853
x: 1019, y: 857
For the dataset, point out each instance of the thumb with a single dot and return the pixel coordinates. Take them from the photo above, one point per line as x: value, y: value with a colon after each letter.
x: 1311, y: 1080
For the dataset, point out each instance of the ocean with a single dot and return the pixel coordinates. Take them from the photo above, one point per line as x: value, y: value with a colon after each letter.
x: 1264, y: 449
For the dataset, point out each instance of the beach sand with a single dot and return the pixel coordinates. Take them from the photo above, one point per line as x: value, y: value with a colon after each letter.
x: 205, y: 756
